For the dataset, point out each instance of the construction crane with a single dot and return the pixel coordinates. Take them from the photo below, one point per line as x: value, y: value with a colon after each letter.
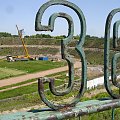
x: 20, y: 34
x: 20, y: 58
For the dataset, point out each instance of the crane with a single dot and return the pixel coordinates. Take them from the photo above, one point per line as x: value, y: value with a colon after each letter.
x: 23, y: 43
x: 20, y: 58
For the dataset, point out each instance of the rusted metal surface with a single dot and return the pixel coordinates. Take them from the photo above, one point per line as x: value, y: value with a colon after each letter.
x: 64, y: 52
x: 80, y: 109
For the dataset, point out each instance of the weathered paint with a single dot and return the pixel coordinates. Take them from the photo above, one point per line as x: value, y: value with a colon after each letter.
x: 115, y: 33
x: 64, y: 52
x: 74, y: 108
x: 113, y: 70
x: 107, y: 56
x: 80, y: 109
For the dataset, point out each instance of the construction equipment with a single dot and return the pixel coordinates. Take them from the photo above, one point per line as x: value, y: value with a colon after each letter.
x: 20, y: 58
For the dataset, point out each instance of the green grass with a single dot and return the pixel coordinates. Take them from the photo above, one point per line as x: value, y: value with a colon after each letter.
x: 60, y: 75
x: 19, y: 91
x: 7, y: 72
x: 94, y: 43
x: 23, y: 90
x: 32, y: 99
x: 29, y: 97
x: 30, y: 41
x: 17, y: 84
x: 22, y: 102
x: 91, y: 56
x: 17, y: 51
x: 105, y: 115
x: 10, y: 69
x: 30, y: 66
x: 95, y: 58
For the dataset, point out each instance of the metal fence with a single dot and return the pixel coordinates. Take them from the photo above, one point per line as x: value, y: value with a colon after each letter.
x: 75, y: 108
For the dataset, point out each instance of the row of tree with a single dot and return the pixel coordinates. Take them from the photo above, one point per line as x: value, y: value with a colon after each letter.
x: 5, y: 34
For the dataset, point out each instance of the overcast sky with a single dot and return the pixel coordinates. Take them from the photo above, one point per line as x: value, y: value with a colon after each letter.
x: 23, y: 12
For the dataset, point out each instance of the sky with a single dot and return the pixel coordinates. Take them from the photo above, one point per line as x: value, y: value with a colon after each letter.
x: 23, y: 12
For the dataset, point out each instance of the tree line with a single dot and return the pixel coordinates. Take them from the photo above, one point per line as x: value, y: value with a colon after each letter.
x: 5, y: 34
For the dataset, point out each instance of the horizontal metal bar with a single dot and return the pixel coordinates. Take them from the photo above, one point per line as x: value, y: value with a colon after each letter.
x: 81, y: 108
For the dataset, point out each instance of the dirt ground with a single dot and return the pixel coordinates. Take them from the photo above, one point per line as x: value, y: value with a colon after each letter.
x: 22, y: 78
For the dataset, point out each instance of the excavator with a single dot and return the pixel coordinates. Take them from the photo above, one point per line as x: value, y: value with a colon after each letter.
x: 20, y: 58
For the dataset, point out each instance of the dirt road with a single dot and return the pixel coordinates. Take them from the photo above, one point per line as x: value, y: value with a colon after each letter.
x: 22, y: 78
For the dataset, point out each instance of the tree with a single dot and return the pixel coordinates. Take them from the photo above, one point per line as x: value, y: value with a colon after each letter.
x: 5, y: 34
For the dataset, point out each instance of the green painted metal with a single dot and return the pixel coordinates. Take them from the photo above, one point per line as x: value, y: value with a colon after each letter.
x: 113, y: 114
x: 80, y: 109
x: 107, y: 57
x: 65, y: 54
x: 75, y: 108
x: 64, y: 51
x: 115, y: 33
x: 113, y: 70
x: 115, y: 57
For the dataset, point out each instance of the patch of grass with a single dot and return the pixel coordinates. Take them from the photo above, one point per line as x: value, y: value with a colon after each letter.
x: 24, y: 90
x: 32, y: 51
x: 31, y: 99
x: 19, y: 91
x: 21, y: 102
x: 91, y: 56
x: 28, y: 96
x: 31, y: 66
x: 26, y: 100
x: 95, y: 57
x: 7, y: 72
x: 60, y: 75
x: 94, y: 43
x: 17, y: 84
x: 34, y: 99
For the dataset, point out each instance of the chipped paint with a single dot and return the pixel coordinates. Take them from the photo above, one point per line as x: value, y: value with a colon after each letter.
x: 74, y: 108
x: 80, y: 109
x: 64, y: 51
